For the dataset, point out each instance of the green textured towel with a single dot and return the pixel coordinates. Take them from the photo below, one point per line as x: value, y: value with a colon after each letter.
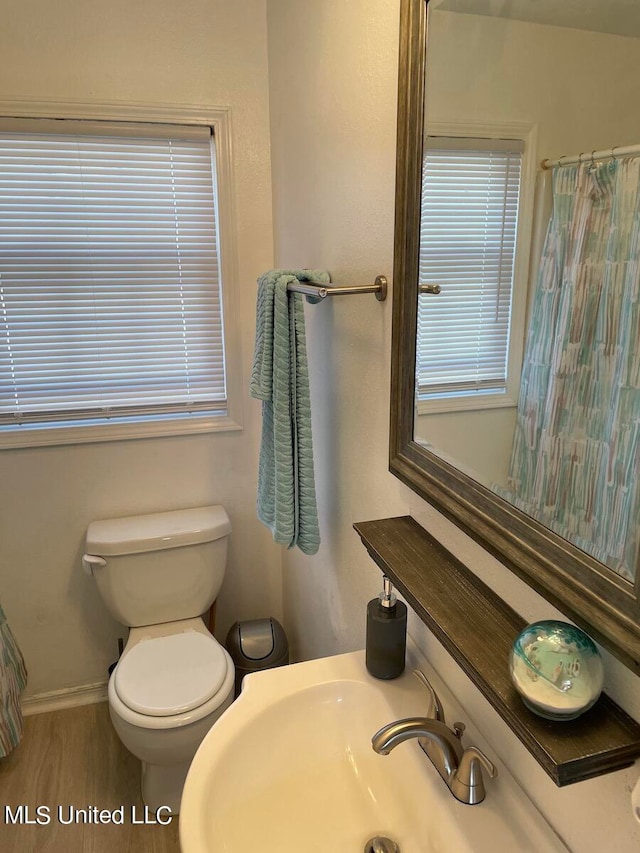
x: 280, y: 378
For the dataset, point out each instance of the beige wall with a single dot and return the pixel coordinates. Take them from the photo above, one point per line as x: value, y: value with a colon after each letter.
x: 333, y: 149
x: 333, y: 70
x: 577, y: 85
x: 207, y: 52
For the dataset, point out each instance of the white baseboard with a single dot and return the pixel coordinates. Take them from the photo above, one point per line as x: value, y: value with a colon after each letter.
x: 70, y: 697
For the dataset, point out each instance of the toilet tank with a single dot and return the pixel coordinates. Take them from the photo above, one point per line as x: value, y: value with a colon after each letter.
x: 161, y: 567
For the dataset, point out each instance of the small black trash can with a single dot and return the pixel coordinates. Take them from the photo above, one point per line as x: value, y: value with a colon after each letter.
x: 256, y: 644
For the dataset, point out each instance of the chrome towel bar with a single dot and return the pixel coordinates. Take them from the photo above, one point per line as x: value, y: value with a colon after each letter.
x: 321, y: 291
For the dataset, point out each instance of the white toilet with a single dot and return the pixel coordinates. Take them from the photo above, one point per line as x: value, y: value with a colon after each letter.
x: 157, y: 574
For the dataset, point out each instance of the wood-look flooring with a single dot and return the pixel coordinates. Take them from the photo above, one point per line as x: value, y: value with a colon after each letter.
x: 74, y: 758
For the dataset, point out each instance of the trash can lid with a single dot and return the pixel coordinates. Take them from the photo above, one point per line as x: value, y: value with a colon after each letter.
x: 257, y: 640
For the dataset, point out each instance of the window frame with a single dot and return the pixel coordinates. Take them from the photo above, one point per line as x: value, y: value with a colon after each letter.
x: 219, y: 120
x: 527, y: 133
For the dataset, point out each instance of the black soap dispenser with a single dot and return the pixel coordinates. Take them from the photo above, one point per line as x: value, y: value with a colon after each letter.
x: 386, y: 634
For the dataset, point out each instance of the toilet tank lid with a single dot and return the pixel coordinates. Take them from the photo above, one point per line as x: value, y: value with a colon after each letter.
x: 158, y: 531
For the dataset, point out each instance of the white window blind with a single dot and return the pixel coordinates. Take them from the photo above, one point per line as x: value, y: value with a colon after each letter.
x: 470, y: 193
x: 110, y: 302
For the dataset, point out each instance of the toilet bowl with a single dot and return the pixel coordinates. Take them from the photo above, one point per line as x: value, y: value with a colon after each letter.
x: 173, y: 679
x: 166, y: 692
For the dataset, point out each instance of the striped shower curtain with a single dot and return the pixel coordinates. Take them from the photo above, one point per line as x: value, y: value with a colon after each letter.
x: 13, y: 678
x: 574, y: 463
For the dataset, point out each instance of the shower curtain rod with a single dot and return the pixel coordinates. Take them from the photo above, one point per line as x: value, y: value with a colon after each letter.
x: 585, y: 156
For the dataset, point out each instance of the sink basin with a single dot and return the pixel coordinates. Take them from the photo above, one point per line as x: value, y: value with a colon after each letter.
x: 289, y: 768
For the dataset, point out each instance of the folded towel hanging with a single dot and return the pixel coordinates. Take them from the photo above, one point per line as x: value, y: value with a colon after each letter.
x: 280, y: 378
x: 13, y: 679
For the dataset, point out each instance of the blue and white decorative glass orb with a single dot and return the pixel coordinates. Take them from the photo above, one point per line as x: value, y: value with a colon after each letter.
x: 557, y: 669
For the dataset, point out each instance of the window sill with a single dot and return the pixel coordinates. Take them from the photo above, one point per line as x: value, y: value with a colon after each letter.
x: 92, y: 433
x: 466, y: 404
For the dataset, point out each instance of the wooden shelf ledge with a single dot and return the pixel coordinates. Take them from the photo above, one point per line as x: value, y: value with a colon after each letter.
x: 477, y: 628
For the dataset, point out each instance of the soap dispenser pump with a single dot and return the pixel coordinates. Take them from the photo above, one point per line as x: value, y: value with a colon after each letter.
x: 386, y: 634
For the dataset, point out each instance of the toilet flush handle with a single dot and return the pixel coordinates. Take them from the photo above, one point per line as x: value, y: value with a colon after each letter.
x: 91, y: 562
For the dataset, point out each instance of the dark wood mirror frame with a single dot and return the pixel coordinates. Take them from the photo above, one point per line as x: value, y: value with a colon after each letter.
x: 593, y: 596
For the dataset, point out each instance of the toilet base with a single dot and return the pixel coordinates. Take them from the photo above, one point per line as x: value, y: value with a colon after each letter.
x: 162, y: 785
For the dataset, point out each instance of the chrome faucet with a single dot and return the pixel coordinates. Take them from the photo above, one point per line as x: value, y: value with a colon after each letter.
x: 460, y: 768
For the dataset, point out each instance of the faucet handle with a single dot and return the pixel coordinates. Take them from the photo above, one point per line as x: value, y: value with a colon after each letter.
x: 467, y: 784
x: 475, y: 757
x: 435, y: 710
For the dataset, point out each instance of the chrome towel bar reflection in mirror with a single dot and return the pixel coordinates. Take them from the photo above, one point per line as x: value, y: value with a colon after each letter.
x: 321, y: 291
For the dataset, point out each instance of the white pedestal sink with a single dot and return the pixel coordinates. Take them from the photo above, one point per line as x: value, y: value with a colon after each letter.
x: 289, y: 768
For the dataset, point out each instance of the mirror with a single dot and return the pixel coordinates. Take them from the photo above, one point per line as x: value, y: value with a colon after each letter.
x: 496, y: 87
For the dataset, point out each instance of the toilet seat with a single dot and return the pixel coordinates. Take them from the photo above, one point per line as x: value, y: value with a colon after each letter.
x: 170, y: 675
